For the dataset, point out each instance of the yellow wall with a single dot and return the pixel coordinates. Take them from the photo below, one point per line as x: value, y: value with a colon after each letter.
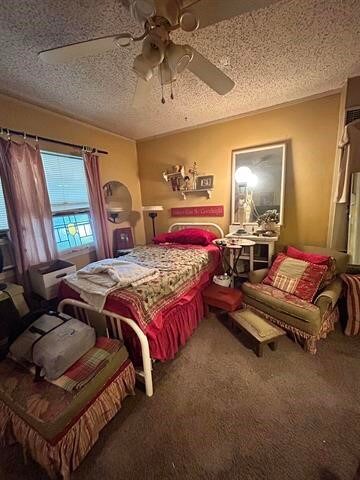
x: 311, y: 129
x: 120, y: 164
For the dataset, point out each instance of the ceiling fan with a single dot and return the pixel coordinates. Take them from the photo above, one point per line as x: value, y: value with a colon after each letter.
x: 160, y: 54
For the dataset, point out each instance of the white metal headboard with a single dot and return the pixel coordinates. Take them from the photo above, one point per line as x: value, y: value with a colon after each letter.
x: 206, y: 225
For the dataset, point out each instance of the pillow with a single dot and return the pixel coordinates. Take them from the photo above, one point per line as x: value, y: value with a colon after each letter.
x: 318, y: 260
x: 298, y: 277
x: 308, y: 257
x: 187, y: 236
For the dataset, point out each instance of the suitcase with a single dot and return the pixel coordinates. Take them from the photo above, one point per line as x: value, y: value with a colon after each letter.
x: 53, y: 343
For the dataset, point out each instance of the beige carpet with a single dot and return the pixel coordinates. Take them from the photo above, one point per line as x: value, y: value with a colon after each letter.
x: 219, y: 412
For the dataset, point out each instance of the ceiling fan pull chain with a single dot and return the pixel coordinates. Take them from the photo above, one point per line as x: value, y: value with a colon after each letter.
x: 162, y: 86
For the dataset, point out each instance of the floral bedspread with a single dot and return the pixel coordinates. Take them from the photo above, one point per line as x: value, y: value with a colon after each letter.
x: 180, y: 269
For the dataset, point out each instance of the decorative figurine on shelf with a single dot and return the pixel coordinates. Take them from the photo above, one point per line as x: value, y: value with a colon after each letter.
x: 193, y: 171
x: 186, y: 185
x: 267, y: 223
x: 175, y: 176
x: 174, y: 183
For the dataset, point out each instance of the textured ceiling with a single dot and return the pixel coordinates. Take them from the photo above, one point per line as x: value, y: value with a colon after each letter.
x: 289, y: 50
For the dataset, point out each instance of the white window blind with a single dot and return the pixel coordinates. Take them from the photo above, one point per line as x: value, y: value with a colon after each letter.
x: 66, y: 182
x: 3, y: 217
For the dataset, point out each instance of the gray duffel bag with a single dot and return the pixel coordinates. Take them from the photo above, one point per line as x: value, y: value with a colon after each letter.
x: 53, y: 343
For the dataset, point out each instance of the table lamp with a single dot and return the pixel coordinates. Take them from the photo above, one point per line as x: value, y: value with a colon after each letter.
x: 153, y: 213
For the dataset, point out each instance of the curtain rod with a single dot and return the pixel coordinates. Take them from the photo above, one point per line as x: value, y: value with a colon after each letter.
x: 8, y: 131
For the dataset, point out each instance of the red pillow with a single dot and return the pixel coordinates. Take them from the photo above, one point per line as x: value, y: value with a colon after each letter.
x: 308, y: 257
x: 298, y: 277
x: 187, y: 236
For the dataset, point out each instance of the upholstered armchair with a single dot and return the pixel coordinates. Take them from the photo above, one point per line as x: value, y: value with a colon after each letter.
x: 308, y: 322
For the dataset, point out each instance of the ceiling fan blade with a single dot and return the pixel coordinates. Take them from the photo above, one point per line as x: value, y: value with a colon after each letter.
x: 142, y: 93
x: 213, y: 11
x: 210, y: 74
x: 188, y: 3
x: 83, y: 49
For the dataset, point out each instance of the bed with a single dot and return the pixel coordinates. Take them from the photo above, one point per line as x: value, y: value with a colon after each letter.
x: 157, y: 318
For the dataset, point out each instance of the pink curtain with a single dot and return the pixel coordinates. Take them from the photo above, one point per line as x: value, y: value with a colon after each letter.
x: 27, y: 204
x: 97, y: 206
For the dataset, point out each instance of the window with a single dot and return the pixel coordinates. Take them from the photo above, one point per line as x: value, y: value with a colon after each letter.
x: 3, y: 217
x: 67, y: 187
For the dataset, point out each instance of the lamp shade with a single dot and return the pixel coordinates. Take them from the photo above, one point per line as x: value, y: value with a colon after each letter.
x: 152, y: 208
x: 153, y: 50
x: 178, y: 57
x: 142, y: 9
x: 142, y: 68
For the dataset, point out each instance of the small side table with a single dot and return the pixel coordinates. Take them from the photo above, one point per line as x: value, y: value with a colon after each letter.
x: 234, y: 246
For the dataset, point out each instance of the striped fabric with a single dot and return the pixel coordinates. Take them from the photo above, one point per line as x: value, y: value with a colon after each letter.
x: 89, y: 365
x: 352, y: 283
x: 294, y: 276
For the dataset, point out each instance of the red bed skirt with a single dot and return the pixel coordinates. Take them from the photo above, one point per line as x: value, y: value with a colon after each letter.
x: 179, y: 322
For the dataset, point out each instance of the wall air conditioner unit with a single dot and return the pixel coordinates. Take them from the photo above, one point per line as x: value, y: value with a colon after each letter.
x: 351, y: 114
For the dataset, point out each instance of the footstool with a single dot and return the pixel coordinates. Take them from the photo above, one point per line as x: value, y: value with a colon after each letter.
x: 224, y: 298
x: 258, y: 329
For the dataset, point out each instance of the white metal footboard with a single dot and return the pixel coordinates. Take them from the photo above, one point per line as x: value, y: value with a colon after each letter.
x: 145, y: 351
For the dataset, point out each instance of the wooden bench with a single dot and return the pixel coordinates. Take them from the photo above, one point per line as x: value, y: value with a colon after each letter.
x: 262, y: 332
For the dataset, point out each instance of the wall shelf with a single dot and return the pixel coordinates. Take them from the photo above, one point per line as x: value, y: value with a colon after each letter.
x: 202, y: 191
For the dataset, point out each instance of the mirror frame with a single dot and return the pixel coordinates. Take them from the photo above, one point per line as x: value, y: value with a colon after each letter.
x: 127, y: 212
x: 283, y: 145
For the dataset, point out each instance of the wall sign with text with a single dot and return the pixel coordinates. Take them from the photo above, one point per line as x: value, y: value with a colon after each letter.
x: 206, y: 211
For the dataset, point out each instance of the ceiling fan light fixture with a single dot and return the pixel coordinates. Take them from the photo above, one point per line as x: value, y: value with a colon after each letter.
x: 142, y: 68
x: 153, y: 50
x: 142, y: 10
x: 178, y: 57
x: 189, y: 22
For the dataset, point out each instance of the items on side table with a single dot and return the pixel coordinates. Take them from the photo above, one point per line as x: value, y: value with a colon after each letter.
x: 263, y: 250
x: 234, y: 247
x: 260, y: 331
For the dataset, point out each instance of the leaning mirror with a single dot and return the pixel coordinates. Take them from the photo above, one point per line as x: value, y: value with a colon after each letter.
x: 118, y: 201
x: 258, y: 183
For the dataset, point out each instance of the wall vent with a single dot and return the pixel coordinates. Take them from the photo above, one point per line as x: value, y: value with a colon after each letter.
x: 352, y: 114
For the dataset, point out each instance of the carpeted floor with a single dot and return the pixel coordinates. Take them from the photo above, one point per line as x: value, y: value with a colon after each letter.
x: 219, y: 412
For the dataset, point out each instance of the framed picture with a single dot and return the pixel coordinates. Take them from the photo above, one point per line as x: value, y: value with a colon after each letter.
x: 204, y: 181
